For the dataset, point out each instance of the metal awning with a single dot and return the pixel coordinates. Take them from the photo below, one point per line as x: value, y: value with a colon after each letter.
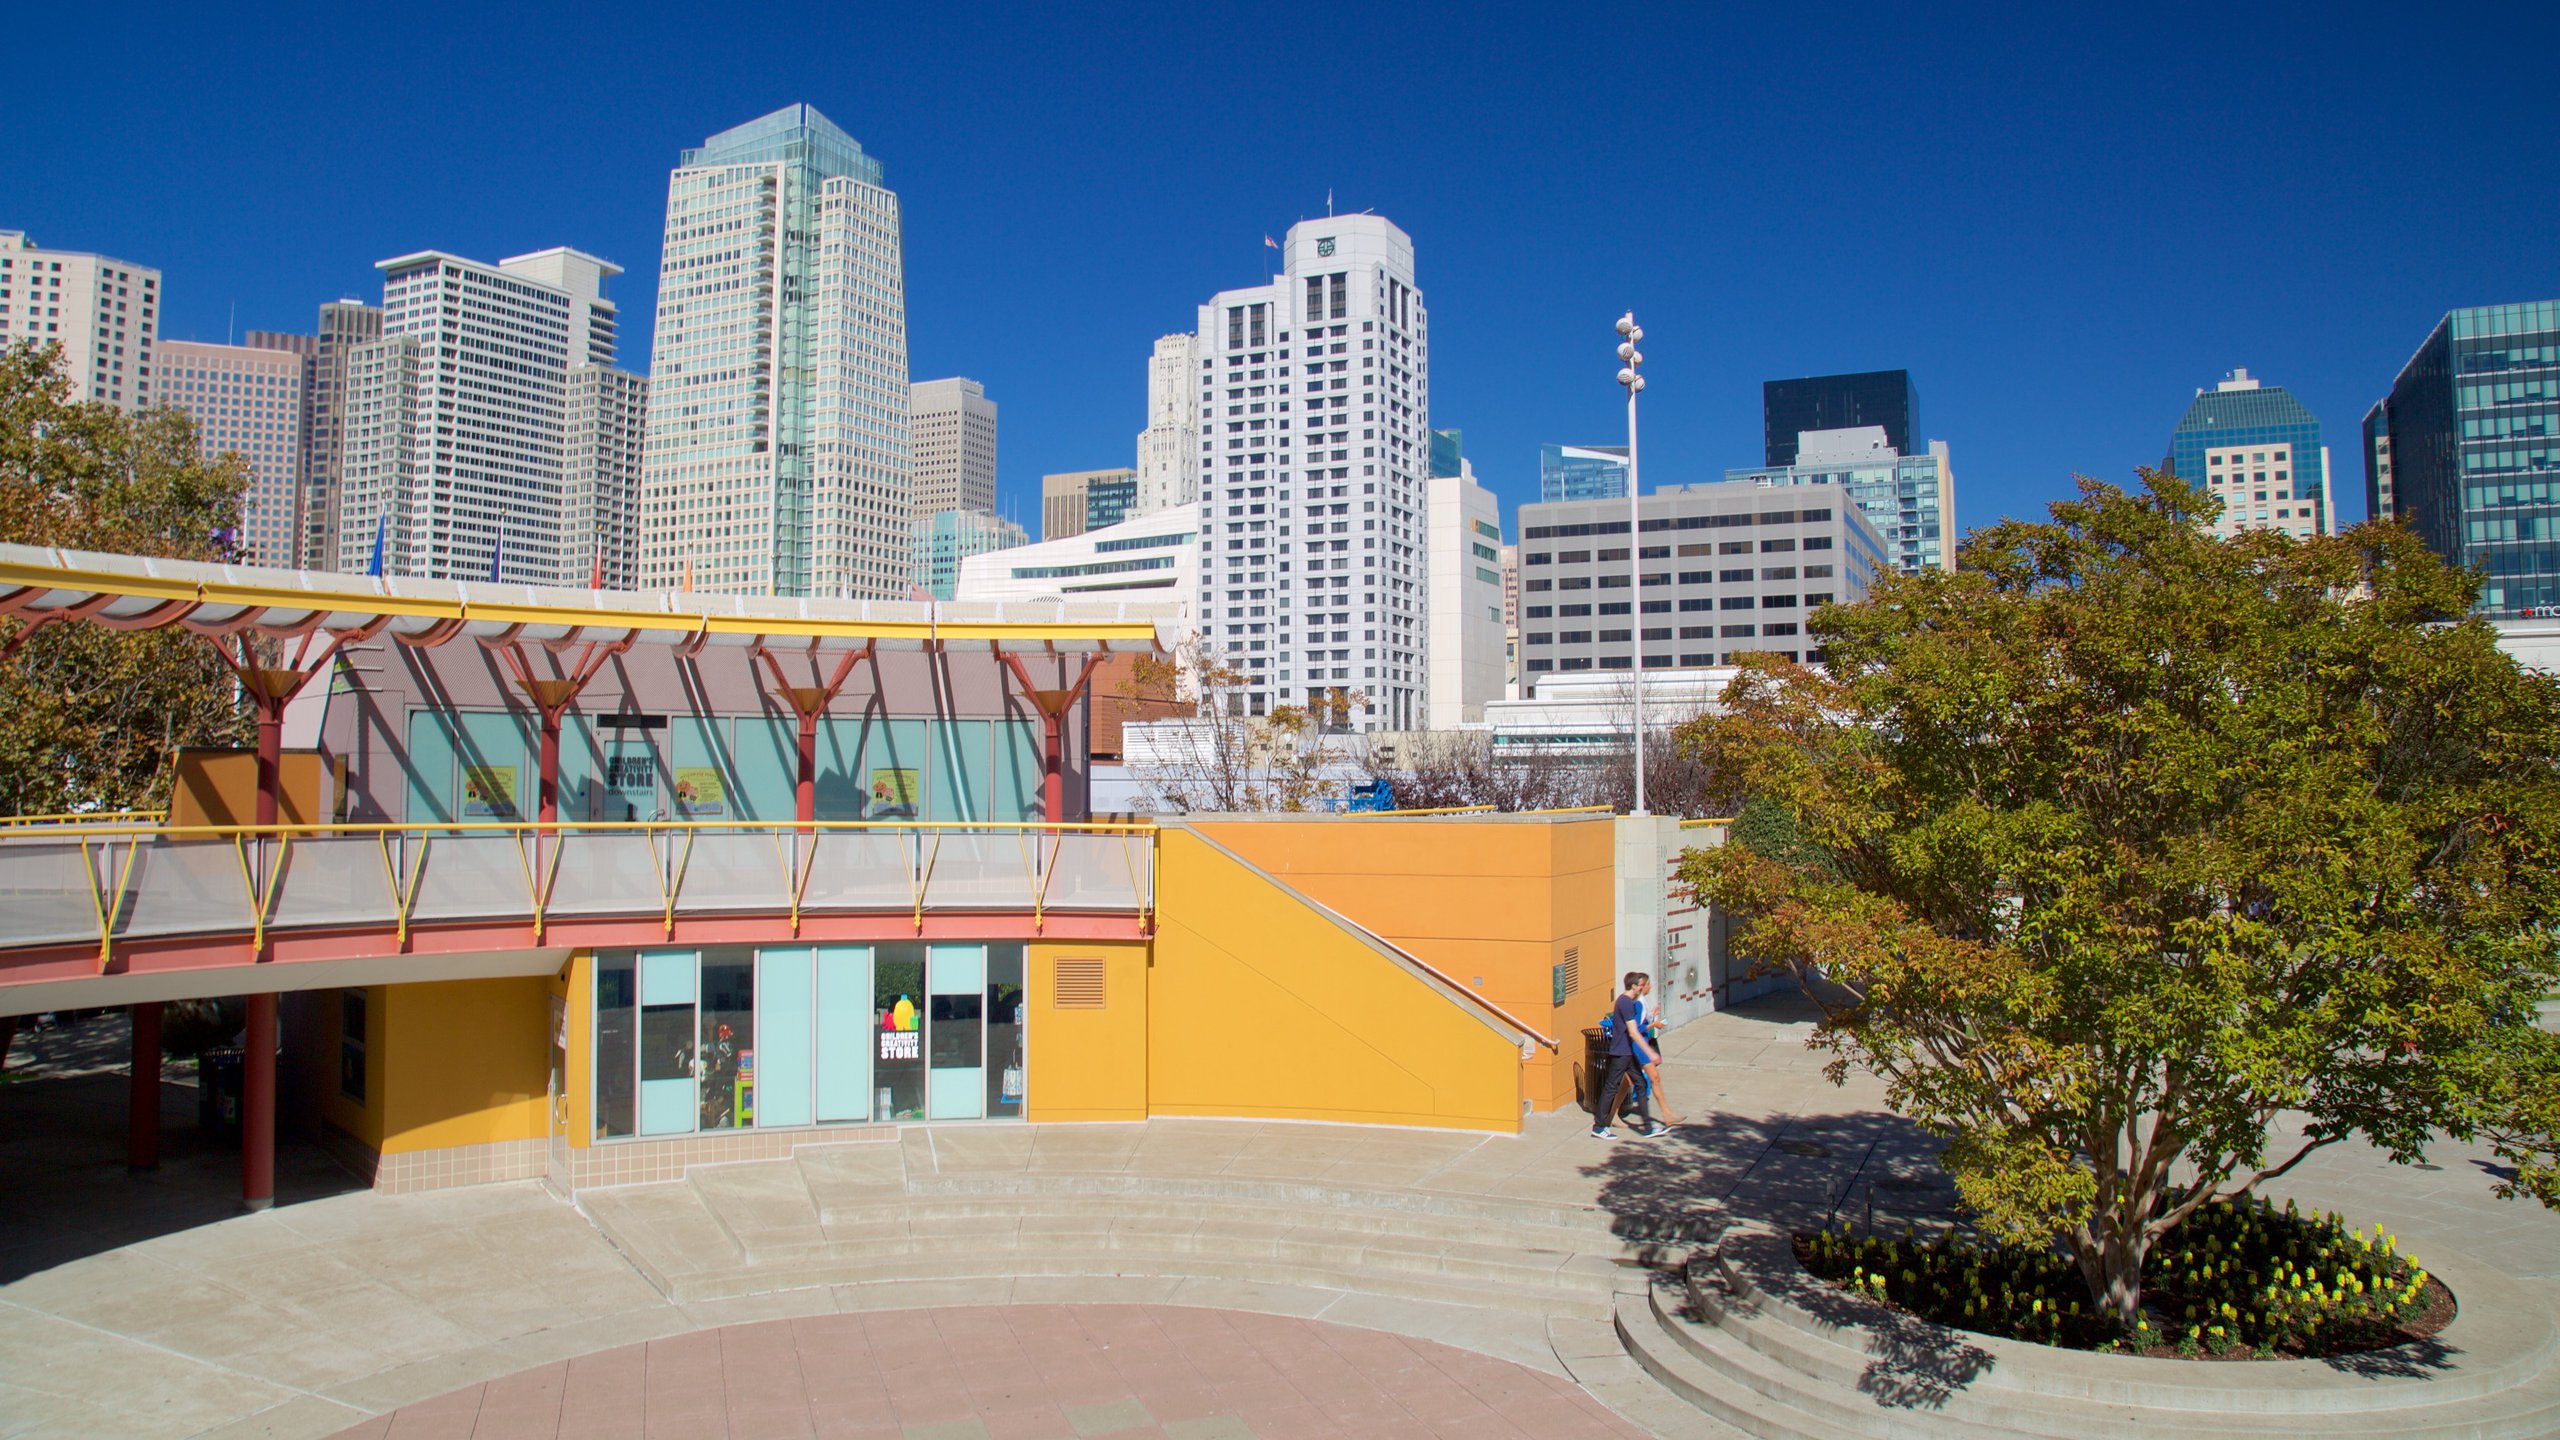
x: 43, y: 586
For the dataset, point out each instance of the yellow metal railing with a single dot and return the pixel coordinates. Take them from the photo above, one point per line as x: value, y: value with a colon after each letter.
x: 120, y: 864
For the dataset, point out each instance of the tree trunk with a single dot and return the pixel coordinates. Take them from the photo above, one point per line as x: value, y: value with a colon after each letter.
x: 2110, y: 1250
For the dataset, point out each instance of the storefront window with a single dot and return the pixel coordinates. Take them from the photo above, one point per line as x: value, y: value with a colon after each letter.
x: 1005, y: 1072
x: 728, y: 1038
x: 614, y: 1042
x: 897, y: 988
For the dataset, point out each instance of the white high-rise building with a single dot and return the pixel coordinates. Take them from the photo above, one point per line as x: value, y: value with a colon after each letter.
x: 456, y: 447
x: 103, y: 312
x: 246, y: 401
x: 777, y: 453
x: 953, y: 425
x: 1169, y: 448
x: 1315, y: 446
x: 1465, y: 577
x: 600, y: 496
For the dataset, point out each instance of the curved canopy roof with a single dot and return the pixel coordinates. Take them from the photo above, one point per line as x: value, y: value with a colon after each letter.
x: 40, y: 586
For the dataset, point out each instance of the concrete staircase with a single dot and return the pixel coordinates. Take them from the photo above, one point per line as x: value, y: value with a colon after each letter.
x: 1706, y: 1332
x: 853, y: 1214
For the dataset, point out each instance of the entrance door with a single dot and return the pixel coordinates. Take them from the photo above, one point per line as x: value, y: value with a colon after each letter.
x: 955, y: 1033
x: 669, y: 1040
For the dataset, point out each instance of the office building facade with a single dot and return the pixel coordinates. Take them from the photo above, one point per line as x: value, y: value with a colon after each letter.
x: 778, y: 459
x: 1109, y: 497
x: 456, y: 451
x: 600, y: 499
x: 2473, y: 423
x: 1315, y: 400
x: 1582, y: 472
x: 2378, y: 501
x: 953, y: 428
x: 2256, y: 449
x: 1153, y: 557
x: 103, y: 312
x: 1068, y: 506
x: 343, y: 324
x: 1909, y: 500
x: 1727, y: 569
x: 1169, y: 448
x: 940, y: 542
x: 248, y: 401
x: 1790, y: 409
x: 1465, y: 599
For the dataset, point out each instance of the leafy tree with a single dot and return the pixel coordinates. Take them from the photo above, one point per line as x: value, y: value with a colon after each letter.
x: 2124, y: 840
x: 1223, y: 760
x: 90, y: 718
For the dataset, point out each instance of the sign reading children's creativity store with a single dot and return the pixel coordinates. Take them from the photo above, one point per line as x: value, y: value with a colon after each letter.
x: 699, y: 791
x: 489, y: 792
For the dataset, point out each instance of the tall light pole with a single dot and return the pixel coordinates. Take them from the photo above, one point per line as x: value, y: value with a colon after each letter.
x: 1629, y: 358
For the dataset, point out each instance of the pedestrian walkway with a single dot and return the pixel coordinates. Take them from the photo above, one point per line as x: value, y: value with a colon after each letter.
x: 335, y: 1310
x: 1027, y: 1372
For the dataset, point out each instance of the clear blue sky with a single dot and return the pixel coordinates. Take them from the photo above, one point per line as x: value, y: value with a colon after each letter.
x: 2061, y: 219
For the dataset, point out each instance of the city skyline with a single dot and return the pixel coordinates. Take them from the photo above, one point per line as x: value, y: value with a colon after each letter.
x: 1051, y: 280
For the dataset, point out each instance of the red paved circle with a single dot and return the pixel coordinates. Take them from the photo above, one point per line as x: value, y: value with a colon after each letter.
x: 1021, y: 1372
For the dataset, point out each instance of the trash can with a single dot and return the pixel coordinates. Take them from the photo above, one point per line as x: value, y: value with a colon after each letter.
x: 1595, y: 1068
x: 218, y: 1091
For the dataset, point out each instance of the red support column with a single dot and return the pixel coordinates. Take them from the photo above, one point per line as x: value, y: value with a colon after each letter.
x: 1053, y: 765
x: 805, y: 798
x: 1053, y: 706
x: 142, y: 1109
x: 258, y: 1105
x: 549, y: 785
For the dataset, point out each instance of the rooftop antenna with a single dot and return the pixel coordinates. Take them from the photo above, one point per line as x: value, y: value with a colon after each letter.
x: 228, y: 325
x: 1328, y: 202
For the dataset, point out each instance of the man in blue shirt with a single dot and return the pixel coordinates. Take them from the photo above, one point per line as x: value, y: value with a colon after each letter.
x: 1628, y: 1053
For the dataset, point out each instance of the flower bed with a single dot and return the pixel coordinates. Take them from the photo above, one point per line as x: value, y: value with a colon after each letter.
x: 2234, y: 1281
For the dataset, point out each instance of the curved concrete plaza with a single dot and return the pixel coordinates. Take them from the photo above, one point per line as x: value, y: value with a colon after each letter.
x: 1179, y: 1277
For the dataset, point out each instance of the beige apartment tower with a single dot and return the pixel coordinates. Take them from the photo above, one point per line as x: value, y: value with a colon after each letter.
x: 103, y: 312
x: 953, y: 427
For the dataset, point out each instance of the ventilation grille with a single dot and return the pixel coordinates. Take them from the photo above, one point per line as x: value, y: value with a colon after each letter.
x: 1568, y: 976
x: 1077, y: 983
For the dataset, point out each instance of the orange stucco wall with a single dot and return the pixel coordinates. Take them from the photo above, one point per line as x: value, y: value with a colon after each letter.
x: 1495, y: 902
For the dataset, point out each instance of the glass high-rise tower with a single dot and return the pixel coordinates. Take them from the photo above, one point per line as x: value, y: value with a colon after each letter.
x: 1882, y: 398
x: 2472, y: 434
x: 1581, y: 472
x: 777, y: 454
x: 2256, y: 449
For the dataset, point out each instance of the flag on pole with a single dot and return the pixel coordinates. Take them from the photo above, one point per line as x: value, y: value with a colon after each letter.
x: 375, y: 568
x: 595, y: 580
x: 1268, y: 241
x: 688, y: 575
x: 497, y: 556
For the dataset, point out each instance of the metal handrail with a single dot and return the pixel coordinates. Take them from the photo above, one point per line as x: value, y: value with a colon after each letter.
x: 263, y: 852
x: 310, y: 830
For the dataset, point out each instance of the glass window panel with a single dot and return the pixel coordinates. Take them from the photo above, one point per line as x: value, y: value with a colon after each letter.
x: 728, y: 1037
x: 1006, y: 1075
x: 897, y: 989
x: 617, y: 1037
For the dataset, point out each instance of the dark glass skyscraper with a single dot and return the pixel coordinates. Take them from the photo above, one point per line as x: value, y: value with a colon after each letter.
x: 1838, y: 402
x: 2474, y: 429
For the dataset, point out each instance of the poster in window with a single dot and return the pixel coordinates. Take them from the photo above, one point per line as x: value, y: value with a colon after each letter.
x: 699, y: 791
x: 893, y: 793
x: 489, y: 792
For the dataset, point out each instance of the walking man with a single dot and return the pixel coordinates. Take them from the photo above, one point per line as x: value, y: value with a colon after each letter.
x: 1629, y: 1052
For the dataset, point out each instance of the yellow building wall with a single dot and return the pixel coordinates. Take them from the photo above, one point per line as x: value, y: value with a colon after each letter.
x: 1496, y: 904
x: 1087, y: 1064
x: 1259, y: 1005
x: 465, y: 1062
